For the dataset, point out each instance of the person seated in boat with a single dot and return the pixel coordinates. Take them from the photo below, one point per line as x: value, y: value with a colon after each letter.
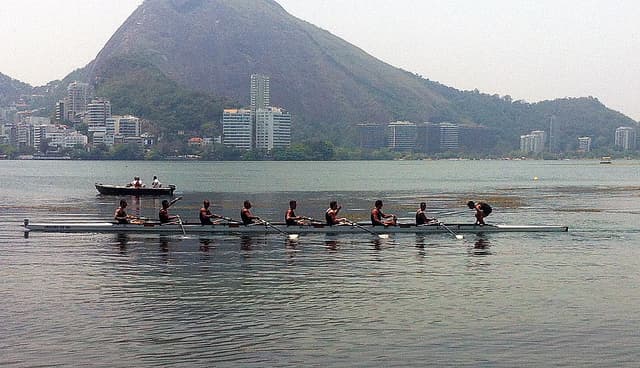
x: 206, y: 215
x: 156, y: 183
x: 163, y: 214
x: 121, y: 216
x: 331, y: 215
x: 421, y: 215
x: 290, y: 217
x: 247, y: 217
x: 482, y: 210
x: 379, y: 218
x: 136, y: 183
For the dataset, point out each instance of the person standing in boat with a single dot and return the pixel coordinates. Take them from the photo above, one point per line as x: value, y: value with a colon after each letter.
x: 163, y: 214
x: 482, y: 210
x: 156, y: 183
x: 290, y: 217
x: 379, y: 218
x: 121, y: 216
x: 206, y: 215
x: 331, y: 215
x: 421, y: 215
x: 247, y: 217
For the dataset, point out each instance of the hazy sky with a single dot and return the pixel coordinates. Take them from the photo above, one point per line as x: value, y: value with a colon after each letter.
x: 529, y: 49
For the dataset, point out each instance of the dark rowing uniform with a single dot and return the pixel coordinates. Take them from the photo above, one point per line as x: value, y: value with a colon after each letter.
x: 205, y: 217
x: 122, y: 214
x: 421, y: 218
x: 377, y: 217
x: 289, y: 218
x: 246, y: 219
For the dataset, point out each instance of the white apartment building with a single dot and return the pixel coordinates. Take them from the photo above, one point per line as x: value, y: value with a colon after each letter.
x: 273, y: 128
x: 625, y: 138
x: 260, y: 92
x: 237, y: 129
x: 533, y: 142
x: 449, y: 137
x: 401, y: 135
x: 584, y: 144
x: 98, y: 111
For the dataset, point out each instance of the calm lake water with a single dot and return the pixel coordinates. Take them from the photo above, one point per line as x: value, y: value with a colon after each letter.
x: 495, y: 300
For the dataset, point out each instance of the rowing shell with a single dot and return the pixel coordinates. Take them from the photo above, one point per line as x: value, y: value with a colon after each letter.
x: 156, y: 228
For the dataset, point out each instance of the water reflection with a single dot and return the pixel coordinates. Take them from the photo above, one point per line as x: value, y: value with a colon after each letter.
x: 331, y: 244
x: 481, y: 246
x: 205, y: 244
x: 122, y: 240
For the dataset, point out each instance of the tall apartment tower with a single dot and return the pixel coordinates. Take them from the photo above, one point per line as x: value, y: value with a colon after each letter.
x: 76, y: 101
x: 625, y: 138
x: 449, y: 137
x: 401, y: 136
x: 237, y: 129
x: 260, y: 94
x: 98, y: 111
x: 273, y: 128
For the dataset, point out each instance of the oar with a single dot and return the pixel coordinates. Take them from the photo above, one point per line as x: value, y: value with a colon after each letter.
x: 458, y: 236
x: 291, y: 236
x: 181, y: 225
x: 228, y: 219
x: 381, y: 236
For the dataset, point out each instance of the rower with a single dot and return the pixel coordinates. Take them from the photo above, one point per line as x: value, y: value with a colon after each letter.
x: 331, y: 215
x: 482, y: 210
x: 290, y: 216
x: 247, y: 217
x: 379, y: 218
x: 206, y: 215
x: 121, y: 216
x: 136, y: 183
x: 421, y: 215
x: 163, y: 214
x: 156, y: 183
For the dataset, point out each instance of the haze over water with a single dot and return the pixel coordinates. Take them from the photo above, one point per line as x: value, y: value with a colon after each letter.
x: 556, y: 299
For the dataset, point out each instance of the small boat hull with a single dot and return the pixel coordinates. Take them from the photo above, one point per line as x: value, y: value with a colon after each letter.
x: 222, y: 229
x: 105, y: 189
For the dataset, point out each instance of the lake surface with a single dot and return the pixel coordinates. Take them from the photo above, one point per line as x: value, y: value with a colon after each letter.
x: 494, y: 300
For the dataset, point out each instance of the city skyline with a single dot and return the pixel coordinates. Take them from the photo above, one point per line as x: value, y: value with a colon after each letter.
x: 572, y: 48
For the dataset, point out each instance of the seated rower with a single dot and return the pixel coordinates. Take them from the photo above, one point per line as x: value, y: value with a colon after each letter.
x: 156, y: 183
x: 421, y: 215
x: 290, y: 217
x: 121, y: 216
x: 331, y: 215
x: 163, y: 214
x: 247, y: 217
x: 482, y: 210
x: 379, y: 218
x: 206, y: 215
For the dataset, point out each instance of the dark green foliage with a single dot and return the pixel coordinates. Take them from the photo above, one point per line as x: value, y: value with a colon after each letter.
x: 136, y: 87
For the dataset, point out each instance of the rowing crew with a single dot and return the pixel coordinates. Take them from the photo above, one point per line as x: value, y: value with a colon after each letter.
x: 378, y: 218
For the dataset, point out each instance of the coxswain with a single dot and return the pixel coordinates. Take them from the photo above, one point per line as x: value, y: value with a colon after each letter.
x: 163, y: 214
x: 421, y: 215
x: 290, y: 216
x: 206, y: 215
x: 482, y: 210
x: 121, y: 216
x: 247, y: 217
x: 379, y: 218
x: 331, y: 215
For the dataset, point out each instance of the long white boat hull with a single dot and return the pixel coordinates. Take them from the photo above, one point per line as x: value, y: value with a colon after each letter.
x: 155, y: 228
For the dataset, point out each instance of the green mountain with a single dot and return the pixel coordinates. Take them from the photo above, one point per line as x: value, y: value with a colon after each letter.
x: 11, y: 90
x: 179, y: 62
